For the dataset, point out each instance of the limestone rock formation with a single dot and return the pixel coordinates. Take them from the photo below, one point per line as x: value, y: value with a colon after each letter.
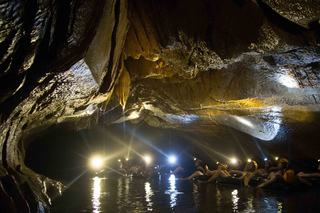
x: 205, y: 68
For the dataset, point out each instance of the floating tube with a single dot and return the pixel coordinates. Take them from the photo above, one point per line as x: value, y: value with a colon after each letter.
x: 203, y: 177
x: 236, y: 181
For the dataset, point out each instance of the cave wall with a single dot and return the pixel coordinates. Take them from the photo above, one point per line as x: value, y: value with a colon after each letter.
x: 201, y: 67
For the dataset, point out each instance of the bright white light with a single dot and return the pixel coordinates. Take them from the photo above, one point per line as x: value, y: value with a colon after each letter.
x: 194, y: 159
x: 147, y: 159
x: 286, y: 79
x: 134, y: 115
x: 96, y: 162
x: 244, y: 121
x: 218, y: 162
x: 172, y: 159
x: 276, y: 158
x: 127, y: 159
x: 233, y: 160
x: 265, y: 159
x: 119, y: 160
x: 249, y: 160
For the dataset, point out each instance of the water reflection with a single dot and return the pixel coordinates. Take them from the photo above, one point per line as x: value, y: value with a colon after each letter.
x: 235, y: 199
x: 172, y: 191
x: 137, y: 195
x: 149, y: 194
x: 96, y: 193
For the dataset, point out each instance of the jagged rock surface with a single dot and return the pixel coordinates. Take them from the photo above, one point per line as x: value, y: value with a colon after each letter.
x: 201, y: 67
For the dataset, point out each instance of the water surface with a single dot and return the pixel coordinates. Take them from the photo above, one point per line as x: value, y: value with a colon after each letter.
x: 168, y: 194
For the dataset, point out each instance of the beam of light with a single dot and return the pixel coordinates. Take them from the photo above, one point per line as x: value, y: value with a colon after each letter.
x: 172, y: 159
x: 151, y: 145
x: 96, y: 193
x: 86, y: 141
x: 244, y: 121
x: 207, y: 148
x: 75, y: 179
x: 237, y: 140
x: 117, y: 140
x: 257, y: 144
x: 132, y: 134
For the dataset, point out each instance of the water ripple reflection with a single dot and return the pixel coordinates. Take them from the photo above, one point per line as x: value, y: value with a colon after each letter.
x: 96, y: 192
x: 125, y: 194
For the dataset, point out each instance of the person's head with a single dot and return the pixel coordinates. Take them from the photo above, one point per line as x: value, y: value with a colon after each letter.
x: 268, y: 164
x: 198, y: 162
x: 282, y: 164
x: 289, y: 176
x: 251, y: 166
x: 222, y: 167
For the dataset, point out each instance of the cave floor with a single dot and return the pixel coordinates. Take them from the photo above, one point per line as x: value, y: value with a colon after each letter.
x: 123, y: 194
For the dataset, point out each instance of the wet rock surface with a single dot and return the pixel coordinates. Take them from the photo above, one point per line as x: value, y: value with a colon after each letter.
x: 200, y: 67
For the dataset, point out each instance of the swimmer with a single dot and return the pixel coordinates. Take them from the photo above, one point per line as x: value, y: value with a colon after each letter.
x: 220, y: 172
x: 289, y: 177
x: 200, y: 170
x: 246, y: 173
x: 265, y: 170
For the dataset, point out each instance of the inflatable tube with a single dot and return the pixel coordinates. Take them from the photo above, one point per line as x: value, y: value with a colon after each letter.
x: 236, y: 181
x: 203, y: 177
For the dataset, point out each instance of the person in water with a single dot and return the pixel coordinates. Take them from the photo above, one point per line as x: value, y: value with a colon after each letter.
x: 264, y: 171
x: 201, y: 169
x: 246, y: 174
x: 284, y: 175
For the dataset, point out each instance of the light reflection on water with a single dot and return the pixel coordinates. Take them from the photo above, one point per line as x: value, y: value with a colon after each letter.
x: 170, y: 195
x: 235, y: 199
x: 173, y: 191
x: 96, y: 189
x: 149, y: 194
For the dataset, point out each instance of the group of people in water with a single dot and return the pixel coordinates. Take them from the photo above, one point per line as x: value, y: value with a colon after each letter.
x: 285, y: 173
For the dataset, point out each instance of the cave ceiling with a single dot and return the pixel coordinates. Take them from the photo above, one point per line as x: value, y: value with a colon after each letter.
x: 222, y: 73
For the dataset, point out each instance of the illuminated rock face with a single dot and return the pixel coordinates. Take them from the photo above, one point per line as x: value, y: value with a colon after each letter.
x: 206, y: 68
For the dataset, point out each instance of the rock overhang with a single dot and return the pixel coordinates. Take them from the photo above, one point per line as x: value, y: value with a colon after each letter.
x: 202, y: 68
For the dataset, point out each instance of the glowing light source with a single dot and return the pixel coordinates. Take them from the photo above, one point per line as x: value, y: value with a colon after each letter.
x: 147, y: 159
x: 265, y: 159
x: 172, y: 159
x: 233, y: 160
x: 218, y: 162
x: 194, y: 159
x: 96, y: 162
x: 127, y: 159
x: 119, y: 160
x: 249, y: 160
x: 277, y: 158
